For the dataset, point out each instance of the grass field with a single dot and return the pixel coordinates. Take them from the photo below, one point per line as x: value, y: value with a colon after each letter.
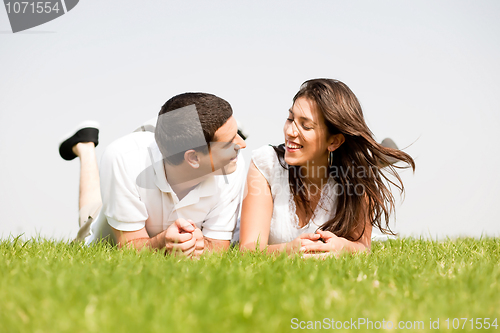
x: 57, y: 287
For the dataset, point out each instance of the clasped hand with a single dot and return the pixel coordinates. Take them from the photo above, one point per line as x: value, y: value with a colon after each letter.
x: 318, y: 245
x: 183, y: 237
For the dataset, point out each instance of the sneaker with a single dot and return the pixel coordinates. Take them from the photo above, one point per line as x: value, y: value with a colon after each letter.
x: 88, y: 131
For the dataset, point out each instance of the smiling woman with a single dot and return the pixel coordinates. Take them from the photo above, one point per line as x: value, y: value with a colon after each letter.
x: 324, y: 189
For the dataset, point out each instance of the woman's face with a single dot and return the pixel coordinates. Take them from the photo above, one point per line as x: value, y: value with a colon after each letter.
x: 306, y: 135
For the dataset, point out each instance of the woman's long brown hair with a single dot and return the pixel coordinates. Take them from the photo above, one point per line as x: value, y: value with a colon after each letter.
x: 342, y: 113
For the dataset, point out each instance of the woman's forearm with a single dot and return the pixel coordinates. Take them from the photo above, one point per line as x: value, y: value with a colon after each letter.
x: 289, y: 248
x: 351, y: 246
x: 278, y: 248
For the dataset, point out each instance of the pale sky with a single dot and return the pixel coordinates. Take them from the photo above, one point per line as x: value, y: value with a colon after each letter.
x: 426, y: 73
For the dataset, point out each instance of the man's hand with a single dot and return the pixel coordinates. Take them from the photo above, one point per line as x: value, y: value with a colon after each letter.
x: 182, y: 237
x: 182, y: 226
x: 200, y: 243
x: 179, y: 237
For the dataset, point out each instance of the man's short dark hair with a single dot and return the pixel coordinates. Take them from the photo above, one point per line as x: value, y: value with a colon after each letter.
x: 213, y: 112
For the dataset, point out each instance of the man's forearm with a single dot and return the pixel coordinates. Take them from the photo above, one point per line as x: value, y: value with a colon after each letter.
x: 216, y: 245
x: 152, y: 243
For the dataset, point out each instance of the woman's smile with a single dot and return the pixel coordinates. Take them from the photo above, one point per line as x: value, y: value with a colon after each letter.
x: 292, y: 147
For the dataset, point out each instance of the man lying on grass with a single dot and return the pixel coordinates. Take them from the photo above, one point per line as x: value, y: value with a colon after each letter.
x: 175, y: 186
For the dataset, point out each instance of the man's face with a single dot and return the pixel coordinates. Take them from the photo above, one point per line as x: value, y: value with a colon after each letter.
x: 224, y: 150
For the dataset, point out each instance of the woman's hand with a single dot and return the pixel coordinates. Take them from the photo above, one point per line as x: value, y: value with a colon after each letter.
x: 328, y: 244
x: 301, y: 241
x: 332, y: 245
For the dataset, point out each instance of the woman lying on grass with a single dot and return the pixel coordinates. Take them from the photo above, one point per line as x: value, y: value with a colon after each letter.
x: 322, y: 191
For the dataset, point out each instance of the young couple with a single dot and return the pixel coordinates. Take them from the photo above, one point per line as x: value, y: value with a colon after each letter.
x: 177, y: 186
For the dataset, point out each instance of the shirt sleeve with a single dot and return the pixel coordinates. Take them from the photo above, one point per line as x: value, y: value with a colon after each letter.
x: 266, y: 161
x: 122, y: 205
x: 221, y: 220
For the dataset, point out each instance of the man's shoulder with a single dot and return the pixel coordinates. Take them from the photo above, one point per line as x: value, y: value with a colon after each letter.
x: 136, y: 143
x: 131, y: 152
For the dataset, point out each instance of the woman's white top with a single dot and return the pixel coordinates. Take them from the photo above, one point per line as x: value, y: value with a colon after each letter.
x: 285, y: 222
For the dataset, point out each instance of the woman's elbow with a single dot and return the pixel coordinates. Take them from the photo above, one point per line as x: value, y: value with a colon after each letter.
x: 248, y: 246
x: 366, y: 247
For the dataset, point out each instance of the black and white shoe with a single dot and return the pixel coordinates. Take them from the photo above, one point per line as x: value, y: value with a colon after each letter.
x: 88, y: 131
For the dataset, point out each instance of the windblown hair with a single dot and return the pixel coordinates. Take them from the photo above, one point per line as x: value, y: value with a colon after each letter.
x: 342, y: 114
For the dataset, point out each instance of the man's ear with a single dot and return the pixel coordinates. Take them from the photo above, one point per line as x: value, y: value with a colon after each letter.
x: 192, y: 158
x: 336, y: 141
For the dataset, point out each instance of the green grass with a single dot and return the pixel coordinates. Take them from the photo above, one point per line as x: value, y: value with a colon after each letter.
x: 48, y: 286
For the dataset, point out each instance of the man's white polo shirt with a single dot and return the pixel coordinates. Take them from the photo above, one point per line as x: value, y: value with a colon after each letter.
x: 136, y: 193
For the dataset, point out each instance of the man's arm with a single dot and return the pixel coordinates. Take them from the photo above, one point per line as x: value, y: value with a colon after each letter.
x: 179, y: 237
x: 124, y: 210
x: 216, y: 245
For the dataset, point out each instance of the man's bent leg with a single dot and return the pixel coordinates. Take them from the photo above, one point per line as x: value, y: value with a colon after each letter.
x: 81, y: 143
x: 86, y: 215
x: 90, y: 187
x: 90, y: 201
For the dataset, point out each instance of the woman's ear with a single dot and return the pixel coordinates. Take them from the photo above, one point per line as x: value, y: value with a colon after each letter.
x: 191, y: 157
x: 336, y: 141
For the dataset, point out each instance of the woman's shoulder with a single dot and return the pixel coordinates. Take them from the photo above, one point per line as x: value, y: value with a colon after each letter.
x: 264, y: 152
x: 266, y: 160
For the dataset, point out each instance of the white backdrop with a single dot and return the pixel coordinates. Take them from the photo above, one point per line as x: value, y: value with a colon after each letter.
x: 427, y: 74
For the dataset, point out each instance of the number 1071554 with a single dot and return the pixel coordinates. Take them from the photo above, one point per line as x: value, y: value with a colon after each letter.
x: 472, y: 323
x: 32, y: 7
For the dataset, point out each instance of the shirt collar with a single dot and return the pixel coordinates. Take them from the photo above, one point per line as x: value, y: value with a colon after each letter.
x: 158, y: 167
x: 206, y: 188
